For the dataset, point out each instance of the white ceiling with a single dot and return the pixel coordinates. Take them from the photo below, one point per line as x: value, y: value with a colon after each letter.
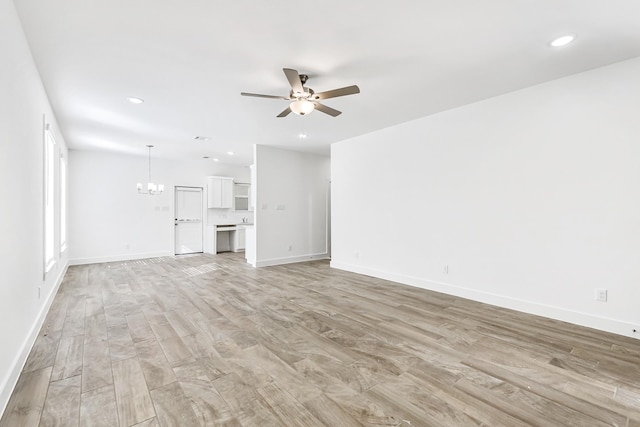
x: 190, y: 59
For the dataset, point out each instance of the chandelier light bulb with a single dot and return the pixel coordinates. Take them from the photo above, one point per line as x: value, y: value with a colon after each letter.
x: 152, y: 189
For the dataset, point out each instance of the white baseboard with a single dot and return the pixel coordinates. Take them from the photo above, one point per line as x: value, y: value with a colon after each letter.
x: 116, y: 258
x: 290, y: 260
x: 7, y: 387
x: 553, y: 312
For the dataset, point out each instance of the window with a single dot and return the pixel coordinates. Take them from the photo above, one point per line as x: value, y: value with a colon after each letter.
x: 63, y: 204
x: 49, y: 199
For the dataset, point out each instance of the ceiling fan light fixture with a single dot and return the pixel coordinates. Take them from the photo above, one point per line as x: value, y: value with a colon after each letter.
x: 302, y: 107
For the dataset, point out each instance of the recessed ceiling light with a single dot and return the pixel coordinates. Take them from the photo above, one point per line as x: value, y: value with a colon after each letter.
x: 231, y: 153
x: 216, y: 160
x: 563, y: 41
x: 201, y: 138
x: 205, y: 157
x: 134, y: 100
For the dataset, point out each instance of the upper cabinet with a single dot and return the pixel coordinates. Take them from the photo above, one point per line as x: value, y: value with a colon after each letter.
x: 241, y: 197
x: 219, y: 192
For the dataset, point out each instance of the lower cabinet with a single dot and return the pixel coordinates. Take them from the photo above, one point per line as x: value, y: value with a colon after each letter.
x: 239, y: 239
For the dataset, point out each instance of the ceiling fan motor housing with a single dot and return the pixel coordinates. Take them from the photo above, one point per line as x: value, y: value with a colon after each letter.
x: 307, y: 94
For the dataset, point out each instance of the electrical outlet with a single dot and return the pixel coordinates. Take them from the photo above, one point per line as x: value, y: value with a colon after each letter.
x: 445, y: 269
x: 601, y: 295
x: 356, y: 255
x: 39, y: 291
x: 290, y: 248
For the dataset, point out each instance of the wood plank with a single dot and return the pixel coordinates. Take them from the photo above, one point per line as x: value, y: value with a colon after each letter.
x: 287, y: 408
x: 139, y: 328
x: 209, y: 407
x: 98, y: 408
x: 96, y: 365
x: 475, y: 408
x: 68, y: 361
x: 27, y: 400
x: 153, y: 422
x: 132, y: 397
x: 180, y: 325
x: 62, y: 406
x: 330, y: 413
x: 242, y: 397
x: 155, y: 366
x: 524, y: 413
x: 176, y: 352
x: 417, y: 406
x: 43, y: 353
x: 173, y: 408
x: 361, y: 408
x: 95, y: 328
x: 588, y: 389
x: 121, y: 348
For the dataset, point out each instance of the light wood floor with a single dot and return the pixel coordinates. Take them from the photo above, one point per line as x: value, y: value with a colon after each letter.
x: 208, y: 341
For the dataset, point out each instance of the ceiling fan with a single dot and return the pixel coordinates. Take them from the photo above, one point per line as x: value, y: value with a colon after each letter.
x: 303, y: 99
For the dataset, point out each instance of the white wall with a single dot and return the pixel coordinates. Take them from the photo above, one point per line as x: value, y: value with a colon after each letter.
x: 23, y: 104
x: 111, y: 221
x: 531, y: 199
x: 291, y: 206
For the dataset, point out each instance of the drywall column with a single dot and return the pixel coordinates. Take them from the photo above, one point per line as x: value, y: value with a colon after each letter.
x: 292, y: 215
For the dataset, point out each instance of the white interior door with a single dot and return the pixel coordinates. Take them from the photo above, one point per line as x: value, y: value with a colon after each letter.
x: 188, y: 220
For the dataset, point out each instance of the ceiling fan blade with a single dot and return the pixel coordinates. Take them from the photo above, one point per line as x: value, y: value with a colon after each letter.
x: 294, y: 80
x: 349, y: 90
x: 257, y: 95
x: 327, y: 110
x: 285, y: 113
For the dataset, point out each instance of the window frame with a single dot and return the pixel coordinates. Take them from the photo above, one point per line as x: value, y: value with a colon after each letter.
x: 62, y: 202
x: 49, y: 181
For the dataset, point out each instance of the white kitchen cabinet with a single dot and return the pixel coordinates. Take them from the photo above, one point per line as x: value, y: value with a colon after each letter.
x: 239, y: 239
x: 219, y: 192
x: 241, y: 197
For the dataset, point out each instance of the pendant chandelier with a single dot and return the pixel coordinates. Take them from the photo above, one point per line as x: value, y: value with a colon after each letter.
x: 152, y: 189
